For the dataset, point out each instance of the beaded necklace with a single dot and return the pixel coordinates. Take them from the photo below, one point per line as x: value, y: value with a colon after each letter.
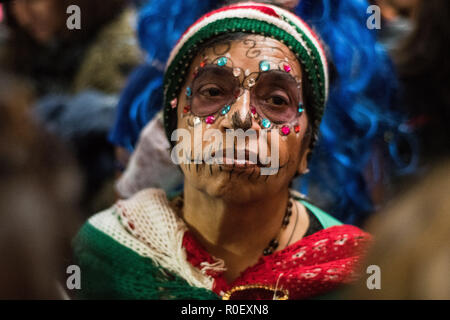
x: 274, y: 243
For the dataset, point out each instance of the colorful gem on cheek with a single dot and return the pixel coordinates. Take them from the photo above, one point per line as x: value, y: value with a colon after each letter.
x: 266, y: 123
x: 173, y: 103
x: 225, y: 110
x: 210, y: 120
x: 202, y: 64
x: 264, y: 66
x: 285, y: 130
x: 287, y: 68
x: 300, y: 108
x: 297, y: 129
x: 187, y: 109
x: 251, y: 82
x: 197, y: 121
x: 222, y: 61
x: 188, y: 91
x: 237, y: 72
x: 253, y: 110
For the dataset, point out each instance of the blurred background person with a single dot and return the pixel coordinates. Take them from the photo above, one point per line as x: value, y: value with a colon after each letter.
x: 39, y: 193
x: 76, y: 75
x: 396, y: 20
x: 424, y: 71
x: 412, y: 236
x: 412, y: 243
x: 55, y: 59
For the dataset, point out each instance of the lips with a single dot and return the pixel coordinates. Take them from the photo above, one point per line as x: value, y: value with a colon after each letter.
x: 234, y: 158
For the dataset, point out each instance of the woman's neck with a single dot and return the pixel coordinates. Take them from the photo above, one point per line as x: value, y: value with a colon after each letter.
x: 235, y: 232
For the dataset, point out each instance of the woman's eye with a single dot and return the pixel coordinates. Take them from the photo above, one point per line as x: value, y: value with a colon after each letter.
x: 211, y: 92
x: 276, y: 100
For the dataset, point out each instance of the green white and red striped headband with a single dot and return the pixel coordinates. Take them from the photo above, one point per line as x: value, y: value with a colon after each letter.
x: 252, y: 18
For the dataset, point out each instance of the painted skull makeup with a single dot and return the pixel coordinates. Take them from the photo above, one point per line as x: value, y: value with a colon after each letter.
x: 274, y: 91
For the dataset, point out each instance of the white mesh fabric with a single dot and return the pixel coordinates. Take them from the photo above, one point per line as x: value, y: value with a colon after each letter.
x: 149, y: 226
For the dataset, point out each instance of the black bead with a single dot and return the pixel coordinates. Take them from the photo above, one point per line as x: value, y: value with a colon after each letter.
x: 267, y: 252
x: 273, y: 243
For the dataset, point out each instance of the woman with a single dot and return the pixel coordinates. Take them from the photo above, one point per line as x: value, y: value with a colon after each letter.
x: 353, y: 160
x: 236, y: 231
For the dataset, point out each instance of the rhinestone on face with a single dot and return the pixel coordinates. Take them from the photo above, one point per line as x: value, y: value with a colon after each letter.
x: 287, y: 68
x: 222, y: 61
x: 210, y: 120
x: 237, y: 72
x: 264, y: 66
x: 251, y: 82
x: 197, y: 121
x: 187, y: 109
x: 285, y: 130
x: 297, y: 129
x: 300, y: 108
x: 253, y: 110
x: 202, y: 64
x: 173, y: 103
x: 225, y: 110
x: 188, y: 91
x: 266, y: 123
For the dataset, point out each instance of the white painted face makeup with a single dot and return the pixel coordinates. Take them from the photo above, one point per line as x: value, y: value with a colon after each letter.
x: 267, y: 86
x: 249, y: 87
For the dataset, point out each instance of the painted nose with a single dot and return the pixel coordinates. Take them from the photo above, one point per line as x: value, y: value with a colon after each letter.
x: 241, y: 118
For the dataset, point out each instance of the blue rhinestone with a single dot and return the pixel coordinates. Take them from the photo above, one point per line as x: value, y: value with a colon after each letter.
x: 266, y: 123
x: 222, y: 61
x: 188, y: 91
x: 225, y: 110
x: 264, y: 66
x: 300, y: 108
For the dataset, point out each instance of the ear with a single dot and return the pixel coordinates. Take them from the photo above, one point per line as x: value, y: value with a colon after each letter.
x: 303, y: 164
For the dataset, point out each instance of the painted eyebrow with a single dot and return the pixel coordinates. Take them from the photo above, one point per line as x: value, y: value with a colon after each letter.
x: 214, y: 70
x: 278, y: 75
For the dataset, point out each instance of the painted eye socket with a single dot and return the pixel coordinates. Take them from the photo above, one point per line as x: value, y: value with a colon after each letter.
x: 212, y: 92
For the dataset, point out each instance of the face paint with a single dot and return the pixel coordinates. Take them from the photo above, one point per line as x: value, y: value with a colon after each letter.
x: 274, y: 97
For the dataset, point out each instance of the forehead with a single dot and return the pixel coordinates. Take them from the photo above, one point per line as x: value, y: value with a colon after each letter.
x: 247, y: 52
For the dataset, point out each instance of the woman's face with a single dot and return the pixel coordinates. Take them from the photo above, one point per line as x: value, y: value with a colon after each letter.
x: 42, y: 19
x: 253, y: 86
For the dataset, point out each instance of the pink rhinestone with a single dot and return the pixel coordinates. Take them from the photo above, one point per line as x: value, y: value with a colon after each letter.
x: 287, y: 68
x: 253, y: 110
x: 285, y: 130
x: 210, y: 120
x: 173, y: 103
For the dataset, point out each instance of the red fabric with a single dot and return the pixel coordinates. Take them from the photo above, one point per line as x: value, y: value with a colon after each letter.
x: 312, y: 266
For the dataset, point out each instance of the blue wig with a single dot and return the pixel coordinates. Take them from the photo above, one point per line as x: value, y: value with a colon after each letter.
x: 358, y: 118
x: 160, y: 25
x: 358, y: 123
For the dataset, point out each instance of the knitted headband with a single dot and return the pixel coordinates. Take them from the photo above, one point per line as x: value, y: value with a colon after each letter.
x: 254, y: 18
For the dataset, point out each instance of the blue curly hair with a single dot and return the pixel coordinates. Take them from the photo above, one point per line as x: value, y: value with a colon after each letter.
x: 358, y: 123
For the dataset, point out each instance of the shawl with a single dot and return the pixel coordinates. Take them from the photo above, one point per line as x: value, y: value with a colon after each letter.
x: 140, y: 249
